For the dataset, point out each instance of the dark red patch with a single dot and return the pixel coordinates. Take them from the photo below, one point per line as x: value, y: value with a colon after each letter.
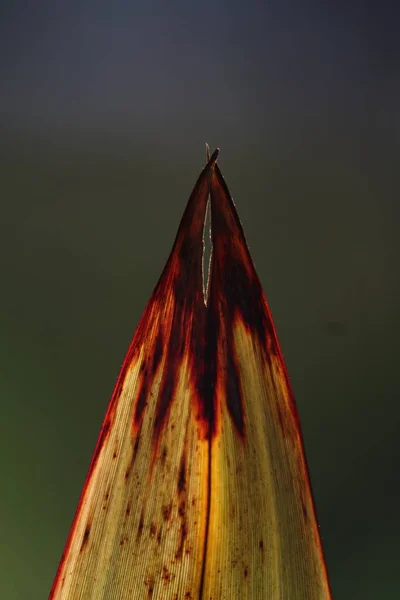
x: 141, y: 525
x: 235, y: 293
x: 240, y: 285
x: 147, y: 376
x: 181, y: 508
x: 205, y: 369
x: 168, y: 386
x: 134, y: 454
x: 85, y: 538
x: 182, y: 475
x: 234, y: 395
x: 179, y: 291
x: 181, y: 487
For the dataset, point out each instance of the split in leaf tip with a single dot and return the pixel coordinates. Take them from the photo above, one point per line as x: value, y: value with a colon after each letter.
x: 211, y: 160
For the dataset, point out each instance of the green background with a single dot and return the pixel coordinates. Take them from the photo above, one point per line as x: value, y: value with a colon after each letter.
x: 104, y: 115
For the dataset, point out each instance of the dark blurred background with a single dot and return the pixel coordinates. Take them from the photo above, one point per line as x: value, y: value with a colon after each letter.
x: 105, y: 109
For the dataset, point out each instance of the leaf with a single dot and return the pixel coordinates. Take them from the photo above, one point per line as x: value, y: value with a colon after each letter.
x: 198, y: 486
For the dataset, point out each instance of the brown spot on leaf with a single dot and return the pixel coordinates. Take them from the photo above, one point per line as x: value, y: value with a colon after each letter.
x: 166, y: 511
x: 166, y: 576
x: 150, y: 586
x: 106, y: 498
x: 182, y: 475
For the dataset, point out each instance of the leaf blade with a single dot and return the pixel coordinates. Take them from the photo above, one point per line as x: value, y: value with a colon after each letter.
x: 198, y: 486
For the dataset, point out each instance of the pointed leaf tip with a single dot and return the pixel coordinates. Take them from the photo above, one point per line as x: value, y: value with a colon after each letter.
x: 213, y: 158
x: 198, y: 486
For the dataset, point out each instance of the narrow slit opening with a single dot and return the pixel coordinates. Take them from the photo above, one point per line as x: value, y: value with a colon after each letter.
x: 207, y: 251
